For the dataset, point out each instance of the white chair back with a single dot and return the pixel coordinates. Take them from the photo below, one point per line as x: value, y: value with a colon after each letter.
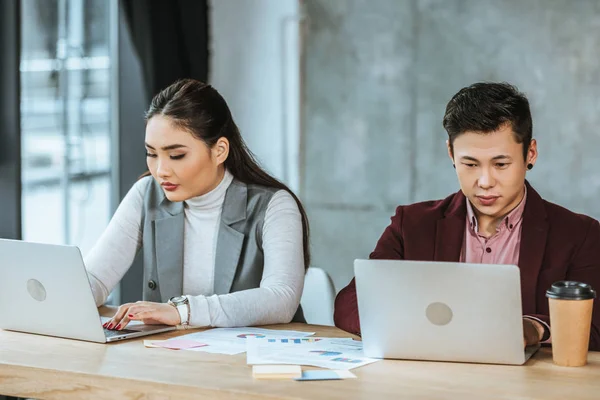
x: 318, y: 297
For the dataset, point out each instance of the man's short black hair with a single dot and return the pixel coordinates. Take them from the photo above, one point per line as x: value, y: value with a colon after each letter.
x: 486, y: 106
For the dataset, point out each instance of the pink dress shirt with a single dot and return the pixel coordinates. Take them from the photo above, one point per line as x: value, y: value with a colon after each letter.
x: 500, y: 248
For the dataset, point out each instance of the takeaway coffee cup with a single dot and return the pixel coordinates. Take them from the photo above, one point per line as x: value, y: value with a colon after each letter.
x: 571, y: 319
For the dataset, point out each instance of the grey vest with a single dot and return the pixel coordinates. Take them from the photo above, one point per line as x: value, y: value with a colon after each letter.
x: 239, y: 257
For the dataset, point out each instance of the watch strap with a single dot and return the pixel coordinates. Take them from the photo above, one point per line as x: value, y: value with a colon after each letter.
x: 183, y: 310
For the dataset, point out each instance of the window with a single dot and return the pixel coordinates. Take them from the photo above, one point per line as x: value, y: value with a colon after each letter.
x: 66, y: 81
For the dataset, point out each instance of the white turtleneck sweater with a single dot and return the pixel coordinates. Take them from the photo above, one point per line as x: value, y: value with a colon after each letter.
x: 278, y: 296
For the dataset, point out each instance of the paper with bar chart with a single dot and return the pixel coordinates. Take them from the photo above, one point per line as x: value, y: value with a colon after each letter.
x: 330, y: 353
x: 233, y: 340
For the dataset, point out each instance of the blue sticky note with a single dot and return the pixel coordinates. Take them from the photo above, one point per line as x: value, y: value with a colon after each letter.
x: 318, y: 375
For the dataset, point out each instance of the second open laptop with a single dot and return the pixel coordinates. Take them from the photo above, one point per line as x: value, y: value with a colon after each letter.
x: 441, y: 311
x: 45, y: 290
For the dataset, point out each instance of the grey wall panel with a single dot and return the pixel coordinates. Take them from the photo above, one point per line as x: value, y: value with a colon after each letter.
x: 132, y: 159
x: 550, y: 51
x: 378, y: 75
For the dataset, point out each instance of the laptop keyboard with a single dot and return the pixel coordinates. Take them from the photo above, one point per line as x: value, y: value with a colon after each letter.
x: 112, y: 333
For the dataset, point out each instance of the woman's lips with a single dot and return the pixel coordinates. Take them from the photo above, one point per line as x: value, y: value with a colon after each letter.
x: 168, y: 186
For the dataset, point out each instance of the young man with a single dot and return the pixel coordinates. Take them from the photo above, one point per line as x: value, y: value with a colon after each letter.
x: 496, y: 217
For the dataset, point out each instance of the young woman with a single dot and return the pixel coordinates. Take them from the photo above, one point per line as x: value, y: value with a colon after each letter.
x: 224, y: 243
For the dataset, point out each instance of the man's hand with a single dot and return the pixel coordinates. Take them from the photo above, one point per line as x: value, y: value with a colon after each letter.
x: 533, y: 332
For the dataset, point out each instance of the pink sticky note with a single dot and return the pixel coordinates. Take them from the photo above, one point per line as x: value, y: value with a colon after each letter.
x: 179, y: 344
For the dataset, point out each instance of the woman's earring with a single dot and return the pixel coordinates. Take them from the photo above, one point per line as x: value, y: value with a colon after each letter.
x: 529, y: 166
x: 454, y: 166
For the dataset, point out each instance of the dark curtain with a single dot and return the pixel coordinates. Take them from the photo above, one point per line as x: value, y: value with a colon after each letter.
x: 10, y: 117
x: 10, y: 128
x: 170, y: 38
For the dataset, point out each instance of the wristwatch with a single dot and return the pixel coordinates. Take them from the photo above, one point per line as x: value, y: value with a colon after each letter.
x: 182, y: 304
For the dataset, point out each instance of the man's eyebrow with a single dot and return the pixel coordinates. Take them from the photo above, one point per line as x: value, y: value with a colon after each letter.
x: 498, y: 157
x: 501, y: 157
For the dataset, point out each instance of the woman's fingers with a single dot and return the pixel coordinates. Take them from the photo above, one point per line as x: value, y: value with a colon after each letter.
x: 147, y: 312
x: 143, y: 312
x: 118, y: 317
x: 121, y: 319
x: 123, y: 323
x: 138, y: 308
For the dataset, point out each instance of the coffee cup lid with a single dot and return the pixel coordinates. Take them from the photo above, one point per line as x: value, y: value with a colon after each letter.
x: 570, y: 290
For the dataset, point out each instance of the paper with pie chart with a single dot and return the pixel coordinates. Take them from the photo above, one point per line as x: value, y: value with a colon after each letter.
x: 330, y: 353
x: 233, y: 340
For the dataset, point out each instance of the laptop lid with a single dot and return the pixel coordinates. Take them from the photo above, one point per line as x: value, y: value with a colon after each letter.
x: 440, y: 311
x: 45, y: 289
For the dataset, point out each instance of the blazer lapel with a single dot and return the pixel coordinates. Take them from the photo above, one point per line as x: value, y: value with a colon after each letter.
x: 169, y: 232
x: 534, y: 233
x: 450, y: 231
x: 230, y: 241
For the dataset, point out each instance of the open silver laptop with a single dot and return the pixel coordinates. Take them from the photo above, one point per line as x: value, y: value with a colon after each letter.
x: 44, y: 289
x: 441, y: 311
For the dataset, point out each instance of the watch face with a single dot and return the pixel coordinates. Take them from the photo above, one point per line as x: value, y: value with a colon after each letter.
x: 178, y: 299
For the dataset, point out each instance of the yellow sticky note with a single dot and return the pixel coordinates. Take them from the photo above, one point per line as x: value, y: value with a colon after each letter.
x: 276, y: 371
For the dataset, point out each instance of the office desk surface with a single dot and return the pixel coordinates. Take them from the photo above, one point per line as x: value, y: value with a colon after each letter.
x: 52, y: 368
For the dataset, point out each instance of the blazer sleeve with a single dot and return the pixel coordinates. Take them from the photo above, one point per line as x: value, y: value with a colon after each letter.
x: 389, y: 247
x: 586, y: 268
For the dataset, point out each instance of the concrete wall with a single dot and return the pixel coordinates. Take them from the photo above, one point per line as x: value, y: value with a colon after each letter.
x: 254, y: 64
x: 132, y: 103
x: 378, y: 76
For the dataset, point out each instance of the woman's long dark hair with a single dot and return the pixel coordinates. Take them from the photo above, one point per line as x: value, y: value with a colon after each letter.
x: 199, y: 109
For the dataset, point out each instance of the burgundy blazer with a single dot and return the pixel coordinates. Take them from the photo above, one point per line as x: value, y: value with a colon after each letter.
x: 556, y: 244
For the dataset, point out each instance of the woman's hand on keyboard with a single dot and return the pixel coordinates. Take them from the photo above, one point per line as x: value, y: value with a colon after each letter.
x: 145, y: 311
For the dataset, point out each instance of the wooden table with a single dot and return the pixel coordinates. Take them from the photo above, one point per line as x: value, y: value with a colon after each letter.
x: 52, y: 368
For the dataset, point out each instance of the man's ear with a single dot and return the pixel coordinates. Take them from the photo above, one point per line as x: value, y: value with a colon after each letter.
x: 532, y: 153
